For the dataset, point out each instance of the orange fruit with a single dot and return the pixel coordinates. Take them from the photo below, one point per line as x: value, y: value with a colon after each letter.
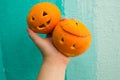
x: 71, y: 37
x: 43, y: 17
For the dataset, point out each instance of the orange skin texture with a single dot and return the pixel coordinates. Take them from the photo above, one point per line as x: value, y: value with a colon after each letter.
x: 71, y: 37
x: 43, y: 17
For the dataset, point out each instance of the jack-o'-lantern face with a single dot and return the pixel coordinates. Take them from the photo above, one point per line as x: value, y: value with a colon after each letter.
x: 43, y: 17
x: 71, y: 37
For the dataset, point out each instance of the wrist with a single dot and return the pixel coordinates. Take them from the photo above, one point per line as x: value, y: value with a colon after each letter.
x: 56, y: 62
x: 52, y: 68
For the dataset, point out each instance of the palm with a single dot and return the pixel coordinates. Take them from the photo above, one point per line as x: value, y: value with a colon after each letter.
x: 51, y: 48
x: 47, y: 47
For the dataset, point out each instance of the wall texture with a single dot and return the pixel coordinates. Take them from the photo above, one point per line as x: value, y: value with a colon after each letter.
x: 107, y: 29
x: 21, y: 60
x: 19, y: 57
x: 82, y: 67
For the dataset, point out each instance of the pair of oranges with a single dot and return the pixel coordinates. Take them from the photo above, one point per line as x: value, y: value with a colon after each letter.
x: 71, y: 37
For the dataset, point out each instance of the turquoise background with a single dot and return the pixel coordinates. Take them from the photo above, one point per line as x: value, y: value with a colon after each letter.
x: 21, y: 60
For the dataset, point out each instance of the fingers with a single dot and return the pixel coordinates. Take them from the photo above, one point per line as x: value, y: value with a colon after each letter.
x: 73, y: 19
x: 36, y: 39
x: 63, y: 19
x: 49, y: 35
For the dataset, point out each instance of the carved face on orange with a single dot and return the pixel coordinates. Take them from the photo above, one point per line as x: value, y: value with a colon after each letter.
x: 43, y: 17
x: 71, y: 37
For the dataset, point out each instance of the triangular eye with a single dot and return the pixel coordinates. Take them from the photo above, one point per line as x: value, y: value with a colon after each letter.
x: 74, y: 45
x: 33, y: 18
x: 44, y: 13
x: 48, y: 22
x: 62, y: 39
x: 76, y: 23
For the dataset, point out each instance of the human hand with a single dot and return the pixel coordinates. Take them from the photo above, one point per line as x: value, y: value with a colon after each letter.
x: 54, y: 62
x: 49, y: 52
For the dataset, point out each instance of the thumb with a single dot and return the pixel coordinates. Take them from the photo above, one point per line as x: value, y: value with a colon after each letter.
x: 39, y: 41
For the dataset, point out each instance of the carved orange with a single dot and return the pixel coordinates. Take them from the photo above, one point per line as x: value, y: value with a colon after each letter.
x: 71, y: 37
x: 43, y: 17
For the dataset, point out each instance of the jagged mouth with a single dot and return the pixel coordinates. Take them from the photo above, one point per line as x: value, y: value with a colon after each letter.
x: 41, y: 26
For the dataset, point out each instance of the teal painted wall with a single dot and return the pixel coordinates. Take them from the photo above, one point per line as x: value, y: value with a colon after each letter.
x: 2, y: 69
x: 107, y: 29
x: 2, y: 74
x: 82, y: 67
x: 20, y: 59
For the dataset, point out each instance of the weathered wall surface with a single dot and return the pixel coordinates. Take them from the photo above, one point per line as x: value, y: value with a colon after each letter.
x: 107, y: 30
x: 21, y: 60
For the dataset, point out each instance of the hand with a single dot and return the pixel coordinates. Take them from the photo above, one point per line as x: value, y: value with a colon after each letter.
x: 49, y: 52
x: 54, y: 62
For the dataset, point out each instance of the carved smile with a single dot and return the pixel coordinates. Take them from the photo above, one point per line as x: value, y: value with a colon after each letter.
x: 42, y: 26
x: 82, y: 36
